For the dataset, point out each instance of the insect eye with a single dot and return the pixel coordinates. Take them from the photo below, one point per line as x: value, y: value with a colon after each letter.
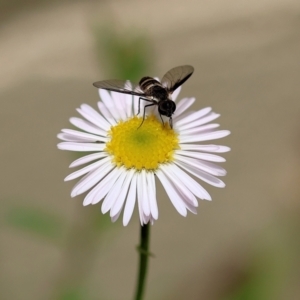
x: 168, y: 106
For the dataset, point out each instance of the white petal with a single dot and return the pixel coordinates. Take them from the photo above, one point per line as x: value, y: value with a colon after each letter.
x: 115, y: 217
x: 119, y: 102
x: 107, y: 184
x: 135, y: 104
x: 152, y: 110
x: 180, y: 117
x: 144, y: 186
x: 210, y: 179
x: 70, y: 135
x: 71, y: 138
x: 106, y: 113
x: 129, y: 105
x: 182, y: 106
x: 98, y: 119
x: 189, y: 182
x: 87, y: 169
x: 176, y: 93
x: 191, y: 208
x: 73, y: 146
x: 88, y: 136
x: 140, y: 197
x: 105, y: 96
x: 199, y: 121
x: 152, y: 195
x: 91, y: 179
x: 121, y: 198
x: 199, y: 129
x: 194, y: 116
x: 108, y: 101
x: 172, y: 193
x: 87, y: 126
x: 87, y: 158
x: 146, y: 219
x: 94, y: 113
x: 91, y: 119
x: 130, y: 202
x: 207, y: 167
x: 205, y: 148
x: 199, y: 155
x: 205, y: 136
x: 185, y: 193
x: 113, y: 194
x: 102, y: 188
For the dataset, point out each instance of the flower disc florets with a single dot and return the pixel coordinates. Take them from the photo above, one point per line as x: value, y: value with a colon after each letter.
x: 142, y: 147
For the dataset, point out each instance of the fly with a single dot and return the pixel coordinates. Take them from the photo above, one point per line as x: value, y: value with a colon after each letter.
x: 151, y: 90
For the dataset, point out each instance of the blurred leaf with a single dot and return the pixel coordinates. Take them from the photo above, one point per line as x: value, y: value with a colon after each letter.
x: 102, y: 222
x: 74, y: 293
x: 253, y: 286
x: 125, y: 56
x: 265, y: 276
x: 35, y: 221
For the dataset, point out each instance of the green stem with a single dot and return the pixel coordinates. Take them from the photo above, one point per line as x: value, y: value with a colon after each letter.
x: 144, y: 255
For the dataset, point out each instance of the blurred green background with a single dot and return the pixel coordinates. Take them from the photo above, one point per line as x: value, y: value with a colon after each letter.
x: 244, y: 244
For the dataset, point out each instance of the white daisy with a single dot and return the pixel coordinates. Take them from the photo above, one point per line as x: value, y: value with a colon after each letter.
x: 125, y: 160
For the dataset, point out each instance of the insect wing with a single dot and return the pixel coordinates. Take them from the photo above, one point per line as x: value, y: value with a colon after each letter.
x: 120, y: 86
x: 176, y: 77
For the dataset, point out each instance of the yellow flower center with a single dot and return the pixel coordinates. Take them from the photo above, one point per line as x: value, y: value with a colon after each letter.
x: 145, y: 147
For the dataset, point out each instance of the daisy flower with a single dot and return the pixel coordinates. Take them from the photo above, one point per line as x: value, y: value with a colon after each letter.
x: 125, y: 159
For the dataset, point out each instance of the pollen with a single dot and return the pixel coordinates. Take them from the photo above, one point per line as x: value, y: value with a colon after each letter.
x: 144, y: 147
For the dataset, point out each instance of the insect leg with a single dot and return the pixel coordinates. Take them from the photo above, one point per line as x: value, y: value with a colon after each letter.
x: 145, y: 99
x: 171, y: 122
x: 161, y: 119
x: 144, y: 114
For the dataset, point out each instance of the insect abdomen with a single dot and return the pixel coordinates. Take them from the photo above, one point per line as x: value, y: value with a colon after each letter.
x: 146, y: 83
x: 153, y: 88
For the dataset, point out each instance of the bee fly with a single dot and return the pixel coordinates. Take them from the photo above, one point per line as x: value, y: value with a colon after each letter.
x: 151, y: 90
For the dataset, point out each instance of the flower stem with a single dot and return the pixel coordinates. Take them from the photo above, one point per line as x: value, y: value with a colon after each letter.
x: 144, y: 255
